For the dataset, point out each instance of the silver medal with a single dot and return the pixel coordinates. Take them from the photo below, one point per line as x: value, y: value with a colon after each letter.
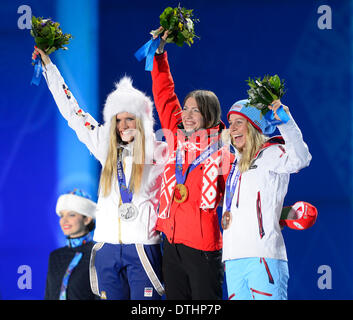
x: 128, y: 212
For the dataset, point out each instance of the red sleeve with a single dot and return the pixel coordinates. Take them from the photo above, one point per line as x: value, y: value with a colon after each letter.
x: 165, y: 99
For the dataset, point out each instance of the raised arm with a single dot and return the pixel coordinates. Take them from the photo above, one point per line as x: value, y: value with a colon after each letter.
x: 86, y: 127
x: 294, y: 155
x: 166, y: 101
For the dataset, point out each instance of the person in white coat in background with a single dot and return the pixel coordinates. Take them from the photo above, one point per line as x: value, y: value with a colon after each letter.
x: 254, y: 251
x: 126, y: 260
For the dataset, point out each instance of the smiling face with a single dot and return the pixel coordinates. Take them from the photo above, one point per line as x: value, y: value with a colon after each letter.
x: 238, y: 131
x: 126, y: 126
x: 73, y: 224
x: 191, y: 116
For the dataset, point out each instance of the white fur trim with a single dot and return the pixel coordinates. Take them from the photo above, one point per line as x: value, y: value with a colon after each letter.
x: 76, y: 203
x: 126, y: 98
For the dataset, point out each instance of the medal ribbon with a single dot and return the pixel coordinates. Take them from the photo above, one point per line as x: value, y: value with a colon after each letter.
x: 230, y: 187
x: 126, y: 194
x: 180, y: 177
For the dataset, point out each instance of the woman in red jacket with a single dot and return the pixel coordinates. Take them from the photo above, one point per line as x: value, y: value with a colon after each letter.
x: 192, y: 187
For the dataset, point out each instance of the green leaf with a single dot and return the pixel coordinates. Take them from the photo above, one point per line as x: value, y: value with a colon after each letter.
x: 171, y: 18
x: 262, y: 92
x: 49, y: 36
x: 51, y: 50
x: 275, y: 82
x: 40, y: 40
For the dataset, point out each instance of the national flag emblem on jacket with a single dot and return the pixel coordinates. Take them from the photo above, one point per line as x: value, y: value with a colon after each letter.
x: 148, y: 292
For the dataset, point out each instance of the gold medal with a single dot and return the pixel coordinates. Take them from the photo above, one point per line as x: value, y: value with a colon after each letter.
x: 180, y: 193
x: 226, y: 220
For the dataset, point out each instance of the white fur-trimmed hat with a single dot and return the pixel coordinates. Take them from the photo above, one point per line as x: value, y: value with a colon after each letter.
x: 126, y: 98
x: 77, y: 201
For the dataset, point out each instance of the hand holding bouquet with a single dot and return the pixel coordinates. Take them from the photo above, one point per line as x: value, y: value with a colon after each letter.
x: 179, y: 23
x: 265, y: 95
x: 48, y: 35
x: 48, y: 38
x: 263, y: 92
x: 176, y: 26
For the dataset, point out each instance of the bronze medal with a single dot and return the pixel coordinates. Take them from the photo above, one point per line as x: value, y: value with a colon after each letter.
x: 180, y: 193
x: 226, y: 220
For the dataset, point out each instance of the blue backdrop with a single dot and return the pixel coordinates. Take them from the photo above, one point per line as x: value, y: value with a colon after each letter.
x: 41, y: 157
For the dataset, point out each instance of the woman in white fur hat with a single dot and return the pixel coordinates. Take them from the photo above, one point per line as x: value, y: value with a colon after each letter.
x: 125, y: 262
x: 68, y: 268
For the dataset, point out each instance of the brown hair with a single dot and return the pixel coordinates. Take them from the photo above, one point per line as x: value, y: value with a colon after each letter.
x: 209, y: 106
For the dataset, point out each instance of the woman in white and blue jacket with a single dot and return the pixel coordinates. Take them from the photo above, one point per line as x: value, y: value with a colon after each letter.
x: 253, y: 247
x: 126, y: 260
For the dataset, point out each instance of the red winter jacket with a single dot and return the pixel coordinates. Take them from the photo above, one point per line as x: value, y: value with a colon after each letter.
x: 195, y: 221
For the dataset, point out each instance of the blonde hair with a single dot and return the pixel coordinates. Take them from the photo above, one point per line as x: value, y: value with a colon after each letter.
x: 254, y: 141
x: 109, y: 172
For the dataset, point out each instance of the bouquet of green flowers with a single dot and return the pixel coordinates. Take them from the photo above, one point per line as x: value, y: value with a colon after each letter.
x: 48, y: 35
x: 263, y: 92
x: 180, y: 24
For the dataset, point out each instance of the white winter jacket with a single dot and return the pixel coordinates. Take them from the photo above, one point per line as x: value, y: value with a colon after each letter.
x: 109, y: 227
x: 258, y: 198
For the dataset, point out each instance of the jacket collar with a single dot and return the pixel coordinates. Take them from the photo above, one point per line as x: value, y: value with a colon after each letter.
x: 270, y: 142
x: 77, y: 242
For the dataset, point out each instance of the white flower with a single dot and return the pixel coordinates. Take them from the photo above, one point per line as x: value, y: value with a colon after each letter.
x: 189, y: 24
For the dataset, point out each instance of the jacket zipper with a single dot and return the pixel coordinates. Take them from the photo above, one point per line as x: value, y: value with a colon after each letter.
x: 259, y: 215
x: 120, y: 203
x: 119, y: 226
